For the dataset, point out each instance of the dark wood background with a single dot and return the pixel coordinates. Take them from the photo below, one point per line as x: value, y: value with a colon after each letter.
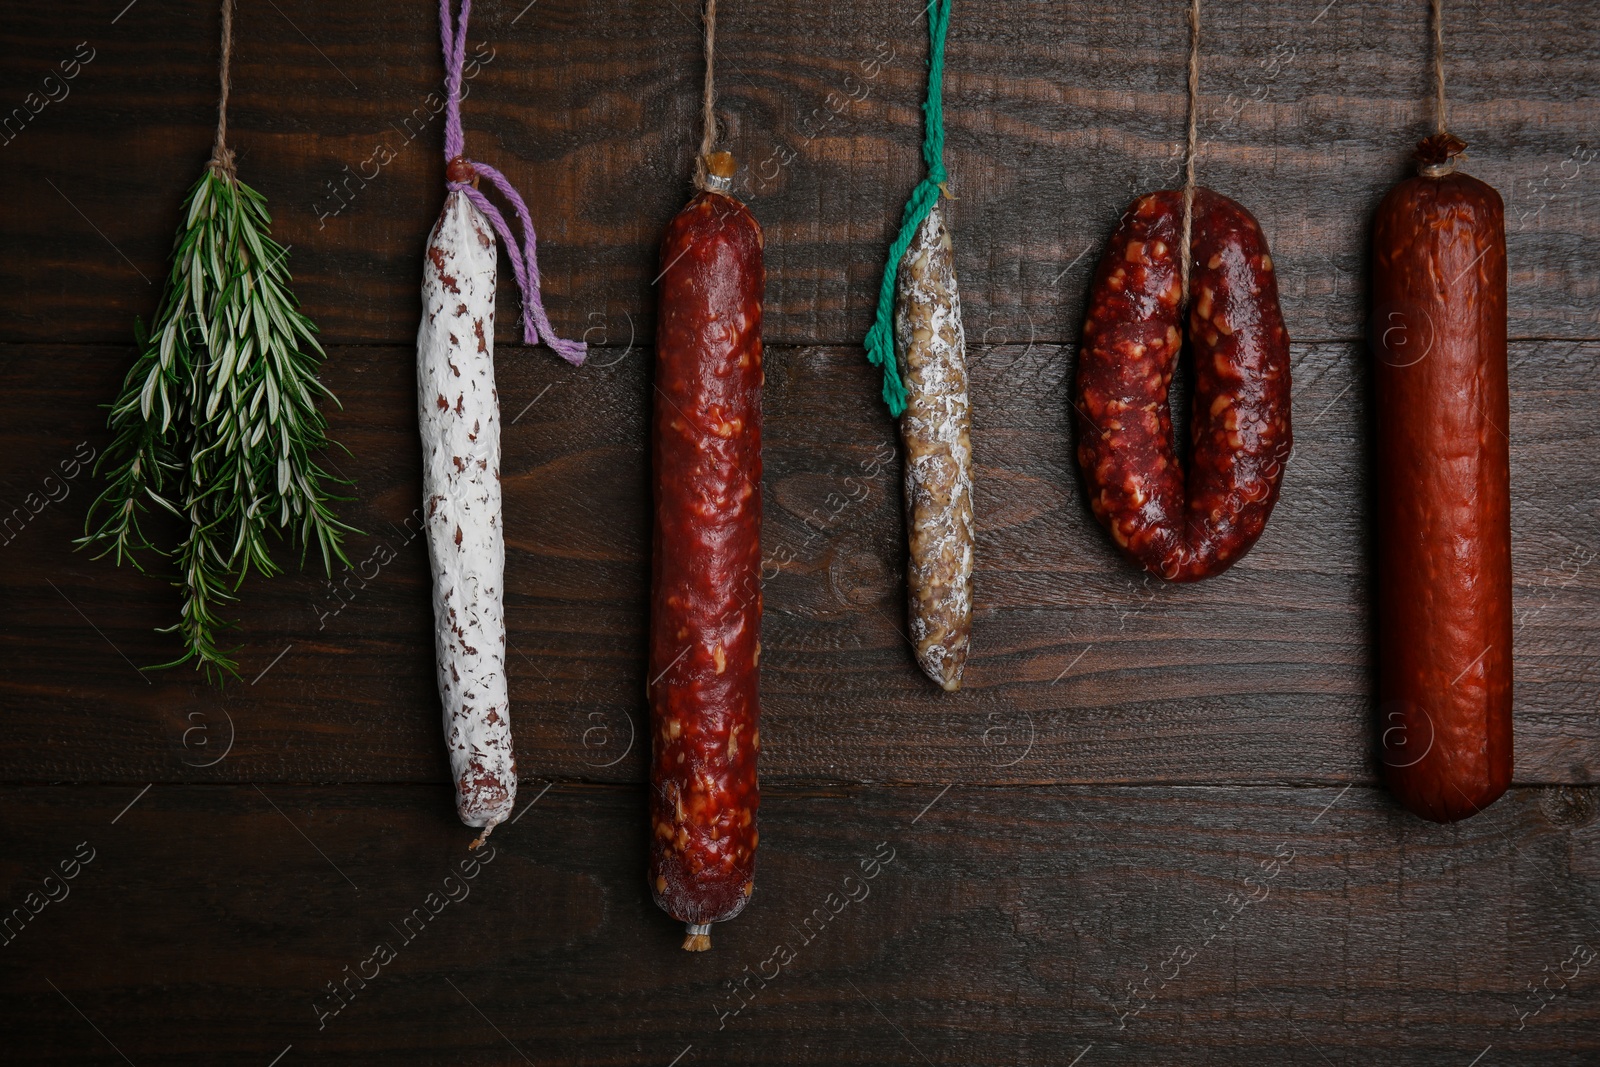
x: 1071, y: 835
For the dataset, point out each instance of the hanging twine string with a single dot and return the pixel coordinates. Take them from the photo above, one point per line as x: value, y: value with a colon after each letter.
x: 1437, y: 10
x: 221, y: 155
x: 1190, y: 151
x: 708, y: 116
x: 459, y: 172
x: 880, y: 339
x: 1437, y: 155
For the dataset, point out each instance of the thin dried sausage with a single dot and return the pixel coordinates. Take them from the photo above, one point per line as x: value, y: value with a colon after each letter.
x: 936, y: 428
x: 458, y: 412
x: 705, y: 624
x: 1443, y: 508
x: 1180, y: 528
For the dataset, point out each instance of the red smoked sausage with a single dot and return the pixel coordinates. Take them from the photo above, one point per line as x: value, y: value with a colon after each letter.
x: 1239, y: 431
x: 705, y: 616
x: 1444, y: 489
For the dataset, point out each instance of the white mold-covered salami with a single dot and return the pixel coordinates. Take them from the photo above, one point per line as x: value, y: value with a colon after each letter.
x: 936, y: 430
x: 459, y: 414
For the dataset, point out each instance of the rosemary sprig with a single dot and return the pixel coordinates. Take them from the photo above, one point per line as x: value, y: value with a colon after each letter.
x: 217, y: 420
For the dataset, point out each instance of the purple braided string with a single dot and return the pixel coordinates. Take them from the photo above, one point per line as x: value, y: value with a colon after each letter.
x: 524, y: 262
x: 454, y: 37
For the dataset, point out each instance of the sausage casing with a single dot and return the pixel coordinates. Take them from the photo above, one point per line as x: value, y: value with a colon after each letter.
x: 1240, y: 437
x: 1443, y: 508
x: 936, y: 429
x: 705, y: 626
x: 458, y: 413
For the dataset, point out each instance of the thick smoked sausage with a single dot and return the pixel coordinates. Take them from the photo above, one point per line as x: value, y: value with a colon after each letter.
x: 1442, y: 457
x: 1239, y: 431
x: 705, y: 614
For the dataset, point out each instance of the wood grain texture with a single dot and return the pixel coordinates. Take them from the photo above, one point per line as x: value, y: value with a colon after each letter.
x: 1083, y: 669
x: 1071, y: 835
x: 1003, y: 926
x: 1057, y: 118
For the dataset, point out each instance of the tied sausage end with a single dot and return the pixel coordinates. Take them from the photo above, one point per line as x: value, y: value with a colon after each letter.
x: 1436, y: 155
x: 697, y: 937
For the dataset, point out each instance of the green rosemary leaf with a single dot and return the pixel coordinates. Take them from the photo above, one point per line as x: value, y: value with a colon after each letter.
x: 216, y: 422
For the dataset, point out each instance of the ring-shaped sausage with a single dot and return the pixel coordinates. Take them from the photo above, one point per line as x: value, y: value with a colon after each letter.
x: 1184, y: 528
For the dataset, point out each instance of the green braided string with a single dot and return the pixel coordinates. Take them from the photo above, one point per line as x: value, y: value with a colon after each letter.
x: 880, y: 339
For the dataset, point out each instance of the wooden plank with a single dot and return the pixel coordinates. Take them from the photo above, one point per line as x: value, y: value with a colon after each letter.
x: 1148, y: 832
x: 1000, y: 926
x: 1084, y: 670
x: 1056, y: 119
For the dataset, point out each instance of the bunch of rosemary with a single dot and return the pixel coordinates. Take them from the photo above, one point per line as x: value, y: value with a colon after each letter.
x: 217, y: 420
